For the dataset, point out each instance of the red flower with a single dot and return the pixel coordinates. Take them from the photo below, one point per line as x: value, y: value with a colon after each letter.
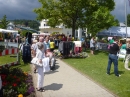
x: 14, y: 84
x: 4, y: 83
x: 14, y: 77
x: 3, y: 76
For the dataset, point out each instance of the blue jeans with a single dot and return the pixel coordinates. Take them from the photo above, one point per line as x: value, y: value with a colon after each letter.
x: 112, y: 58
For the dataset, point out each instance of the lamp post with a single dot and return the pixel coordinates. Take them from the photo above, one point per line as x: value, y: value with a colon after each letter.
x: 126, y: 17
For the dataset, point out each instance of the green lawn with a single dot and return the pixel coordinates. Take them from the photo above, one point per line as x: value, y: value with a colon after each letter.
x: 8, y: 59
x: 95, y: 68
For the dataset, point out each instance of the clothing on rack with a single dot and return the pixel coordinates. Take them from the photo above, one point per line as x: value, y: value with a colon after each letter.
x: 29, y: 37
x: 60, y: 48
x: 56, y: 43
x: 26, y: 54
x: 78, y: 47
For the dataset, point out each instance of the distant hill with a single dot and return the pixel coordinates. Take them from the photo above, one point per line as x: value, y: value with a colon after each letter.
x: 30, y: 23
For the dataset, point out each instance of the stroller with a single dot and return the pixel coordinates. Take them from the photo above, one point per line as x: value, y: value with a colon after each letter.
x: 122, y: 54
x: 52, y: 60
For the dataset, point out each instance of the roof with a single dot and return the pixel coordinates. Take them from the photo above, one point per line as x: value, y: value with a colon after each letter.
x: 122, y: 25
x: 115, y: 31
x: 11, y: 31
x: 28, y: 29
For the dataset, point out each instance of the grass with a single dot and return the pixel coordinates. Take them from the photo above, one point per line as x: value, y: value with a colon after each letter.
x: 95, y: 68
x: 8, y: 59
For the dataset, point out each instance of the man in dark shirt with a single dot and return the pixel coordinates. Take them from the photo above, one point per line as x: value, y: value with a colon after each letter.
x: 114, y: 48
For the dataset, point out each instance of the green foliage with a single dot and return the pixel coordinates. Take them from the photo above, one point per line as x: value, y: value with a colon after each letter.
x: 100, y: 19
x: 7, y: 59
x: 128, y: 20
x: 23, y: 33
x: 30, y: 23
x: 3, y: 22
x: 76, y: 13
x: 22, y: 89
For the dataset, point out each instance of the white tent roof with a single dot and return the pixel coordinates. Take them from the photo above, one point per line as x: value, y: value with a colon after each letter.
x: 115, y: 31
x: 9, y: 31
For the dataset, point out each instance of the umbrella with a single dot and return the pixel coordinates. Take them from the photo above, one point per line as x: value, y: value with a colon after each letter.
x: 28, y: 29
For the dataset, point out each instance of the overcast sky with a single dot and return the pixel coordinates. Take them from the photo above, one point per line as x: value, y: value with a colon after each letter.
x: 23, y: 9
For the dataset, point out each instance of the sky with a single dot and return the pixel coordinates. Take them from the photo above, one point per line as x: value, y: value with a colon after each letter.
x: 23, y: 9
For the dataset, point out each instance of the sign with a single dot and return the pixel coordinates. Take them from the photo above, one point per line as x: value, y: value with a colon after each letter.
x: 101, y: 46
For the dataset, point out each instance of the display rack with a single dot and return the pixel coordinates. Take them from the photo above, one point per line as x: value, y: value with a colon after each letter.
x: 9, y: 48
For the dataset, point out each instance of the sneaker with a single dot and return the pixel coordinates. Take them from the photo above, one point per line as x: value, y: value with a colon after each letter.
x: 118, y: 75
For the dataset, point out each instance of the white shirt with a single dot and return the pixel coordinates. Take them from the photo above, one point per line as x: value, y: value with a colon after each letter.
x: 36, y: 48
x: 92, y: 43
x: 40, y: 54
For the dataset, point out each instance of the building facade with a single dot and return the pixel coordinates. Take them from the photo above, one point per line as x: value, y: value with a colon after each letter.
x: 45, y: 28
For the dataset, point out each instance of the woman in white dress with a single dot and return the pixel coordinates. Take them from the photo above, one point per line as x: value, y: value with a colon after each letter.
x: 40, y: 55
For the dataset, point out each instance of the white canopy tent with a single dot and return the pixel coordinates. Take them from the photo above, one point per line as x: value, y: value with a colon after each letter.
x: 9, y: 31
x: 115, y: 31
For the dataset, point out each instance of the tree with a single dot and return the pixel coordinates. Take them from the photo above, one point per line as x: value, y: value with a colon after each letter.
x: 4, y: 22
x: 128, y: 20
x: 76, y: 13
x: 30, y: 23
x: 101, y: 19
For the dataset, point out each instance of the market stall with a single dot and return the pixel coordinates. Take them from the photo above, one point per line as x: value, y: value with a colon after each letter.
x: 8, y: 47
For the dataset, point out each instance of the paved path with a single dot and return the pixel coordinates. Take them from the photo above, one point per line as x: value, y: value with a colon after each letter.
x: 67, y: 82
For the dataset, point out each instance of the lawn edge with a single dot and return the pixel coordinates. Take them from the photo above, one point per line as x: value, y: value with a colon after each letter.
x: 90, y: 79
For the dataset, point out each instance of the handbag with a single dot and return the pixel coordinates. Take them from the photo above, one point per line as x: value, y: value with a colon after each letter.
x: 36, y: 62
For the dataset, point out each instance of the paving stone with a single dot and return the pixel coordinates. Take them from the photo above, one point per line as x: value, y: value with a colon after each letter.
x: 67, y: 82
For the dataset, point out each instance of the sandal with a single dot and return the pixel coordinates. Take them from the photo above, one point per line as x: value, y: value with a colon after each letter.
x: 34, y: 70
x: 41, y: 89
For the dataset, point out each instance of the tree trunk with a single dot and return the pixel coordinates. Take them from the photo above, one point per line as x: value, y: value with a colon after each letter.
x: 73, y: 29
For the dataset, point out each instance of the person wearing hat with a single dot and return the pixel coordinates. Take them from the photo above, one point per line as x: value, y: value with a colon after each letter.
x: 127, y: 54
x: 113, y: 50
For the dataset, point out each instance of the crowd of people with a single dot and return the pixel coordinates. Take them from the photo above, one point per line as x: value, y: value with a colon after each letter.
x: 43, y: 50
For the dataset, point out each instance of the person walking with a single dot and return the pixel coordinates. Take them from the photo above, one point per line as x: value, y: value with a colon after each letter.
x: 92, y: 45
x: 127, y: 54
x: 113, y: 58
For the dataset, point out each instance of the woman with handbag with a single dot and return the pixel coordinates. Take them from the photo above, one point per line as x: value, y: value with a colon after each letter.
x: 40, y: 56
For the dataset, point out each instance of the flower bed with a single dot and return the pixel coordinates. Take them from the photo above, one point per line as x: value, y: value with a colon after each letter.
x: 16, y: 83
x: 71, y: 55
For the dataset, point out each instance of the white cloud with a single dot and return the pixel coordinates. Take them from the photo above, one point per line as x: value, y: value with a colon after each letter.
x: 119, y: 11
x: 18, y: 9
x: 23, y: 9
